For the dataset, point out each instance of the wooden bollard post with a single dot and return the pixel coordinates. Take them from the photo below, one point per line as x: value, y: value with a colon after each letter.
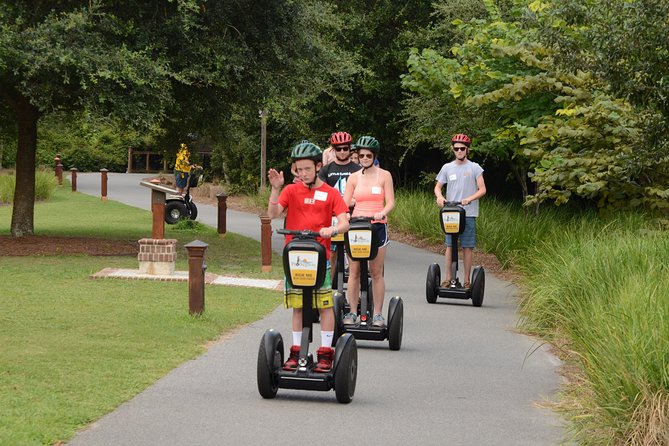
x: 222, y: 213
x: 73, y: 178
x: 157, y: 212
x: 103, y: 183
x: 196, y: 269
x: 59, y: 174
x: 129, y: 160
x: 266, y: 242
x: 56, y: 161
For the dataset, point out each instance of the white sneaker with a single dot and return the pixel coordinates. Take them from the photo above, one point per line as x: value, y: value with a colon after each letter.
x: 350, y: 319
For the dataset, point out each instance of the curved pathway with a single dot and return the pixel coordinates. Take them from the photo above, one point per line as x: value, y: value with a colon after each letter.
x: 464, y: 376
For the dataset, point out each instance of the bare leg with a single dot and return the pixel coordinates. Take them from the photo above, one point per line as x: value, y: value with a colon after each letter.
x: 378, y: 281
x: 327, y: 319
x: 297, y: 319
x: 447, y: 263
x: 468, y: 255
x: 353, y: 294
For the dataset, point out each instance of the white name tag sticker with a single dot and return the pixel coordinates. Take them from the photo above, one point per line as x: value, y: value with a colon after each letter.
x: 376, y: 190
x: 453, y: 177
x: 320, y: 195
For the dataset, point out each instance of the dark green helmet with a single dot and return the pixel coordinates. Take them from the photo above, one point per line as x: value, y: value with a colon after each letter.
x: 369, y: 143
x: 306, y: 150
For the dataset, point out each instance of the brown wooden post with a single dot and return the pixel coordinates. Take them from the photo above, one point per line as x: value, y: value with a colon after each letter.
x: 57, y: 161
x: 147, y: 162
x: 129, y: 160
x: 196, y: 269
x: 59, y: 174
x: 266, y: 242
x: 222, y: 213
x: 73, y: 178
x: 103, y: 183
x: 158, y: 213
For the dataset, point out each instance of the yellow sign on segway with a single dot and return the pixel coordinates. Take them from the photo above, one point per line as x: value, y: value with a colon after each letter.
x: 360, y: 243
x: 303, y: 267
x: 451, y: 222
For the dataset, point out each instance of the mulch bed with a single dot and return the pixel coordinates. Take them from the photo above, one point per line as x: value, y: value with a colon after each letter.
x: 41, y: 245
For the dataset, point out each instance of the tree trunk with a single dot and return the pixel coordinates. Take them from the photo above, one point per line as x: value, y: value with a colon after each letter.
x: 23, y: 212
x: 521, y: 177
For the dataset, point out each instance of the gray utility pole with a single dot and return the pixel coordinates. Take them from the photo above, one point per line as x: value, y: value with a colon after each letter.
x: 263, y: 148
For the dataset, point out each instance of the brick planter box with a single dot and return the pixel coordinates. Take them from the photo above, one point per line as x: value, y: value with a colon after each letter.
x: 157, y: 256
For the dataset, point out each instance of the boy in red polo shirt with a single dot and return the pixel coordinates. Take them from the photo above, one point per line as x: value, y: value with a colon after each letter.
x: 310, y: 204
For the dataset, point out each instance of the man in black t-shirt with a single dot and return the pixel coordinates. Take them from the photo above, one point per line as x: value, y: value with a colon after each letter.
x: 336, y: 174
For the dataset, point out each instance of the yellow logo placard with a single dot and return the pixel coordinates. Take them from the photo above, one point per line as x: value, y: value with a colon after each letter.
x: 303, y: 267
x: 360, y: 243
x: 338, y: 237
x: 451, y: 222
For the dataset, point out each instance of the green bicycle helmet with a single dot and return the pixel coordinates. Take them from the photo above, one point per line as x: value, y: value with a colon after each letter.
x: 306, y: 150
x: 369, y: 143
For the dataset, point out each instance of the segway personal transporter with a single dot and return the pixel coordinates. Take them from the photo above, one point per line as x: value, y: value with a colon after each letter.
x: 177, y: 206
x: 452, y: 219
x: 304, y: 263
x: 362, y: 244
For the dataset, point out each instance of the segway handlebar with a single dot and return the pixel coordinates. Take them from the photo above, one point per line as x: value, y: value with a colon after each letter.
x: 452, y: 203
x: 304, y: 233
x: 356, y: 219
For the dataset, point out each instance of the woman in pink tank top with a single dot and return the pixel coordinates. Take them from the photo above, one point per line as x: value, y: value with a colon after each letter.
x: 371, y: 191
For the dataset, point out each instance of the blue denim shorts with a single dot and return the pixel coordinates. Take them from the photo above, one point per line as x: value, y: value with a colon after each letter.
x: 468, y: 237
x: 181, y: 178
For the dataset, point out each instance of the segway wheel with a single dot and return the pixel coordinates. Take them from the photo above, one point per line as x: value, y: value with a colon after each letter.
x: 175, y: 211
x: 270, y: 360
x: 338, y: 307
x: 193, y: 210
x: 432, y: 283
x: 478, y: 286
x: 345, y: 368
x: 395, y: 323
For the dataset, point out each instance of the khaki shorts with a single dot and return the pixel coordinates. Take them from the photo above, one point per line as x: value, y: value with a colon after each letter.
x: 322, y: 297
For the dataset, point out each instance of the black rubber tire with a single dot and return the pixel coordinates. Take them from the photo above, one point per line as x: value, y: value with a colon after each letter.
x: 432, y: 283
x: 346, y: 369
x: 193, y: 210
x: 478, y: 286
x: 395, y: 323
x: 270, y: 360
x: 175, y: 211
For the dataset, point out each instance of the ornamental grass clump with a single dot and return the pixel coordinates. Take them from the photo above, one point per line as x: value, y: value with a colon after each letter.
x: 45, y: 185
x: 603, y: 297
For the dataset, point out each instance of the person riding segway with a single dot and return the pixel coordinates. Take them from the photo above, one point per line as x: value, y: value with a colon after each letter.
x: 181, y: 205
x: 372, y: 191
x: 310, y: 205
x: 464, y: 186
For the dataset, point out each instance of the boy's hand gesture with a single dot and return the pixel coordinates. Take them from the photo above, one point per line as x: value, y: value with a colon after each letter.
x: 275, y: 178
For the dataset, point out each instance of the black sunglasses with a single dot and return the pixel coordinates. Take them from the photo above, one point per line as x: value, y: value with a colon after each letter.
x: 459, y: 149
x: 339, y: 149
x: 366, y: 155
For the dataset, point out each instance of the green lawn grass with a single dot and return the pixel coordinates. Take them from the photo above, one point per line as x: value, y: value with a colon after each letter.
x: 74, y: 348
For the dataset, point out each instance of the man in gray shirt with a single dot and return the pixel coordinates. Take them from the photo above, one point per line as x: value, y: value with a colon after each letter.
x: 464, y: 183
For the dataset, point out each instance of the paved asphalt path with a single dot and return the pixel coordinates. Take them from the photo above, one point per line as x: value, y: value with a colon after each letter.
x: 464, y: 376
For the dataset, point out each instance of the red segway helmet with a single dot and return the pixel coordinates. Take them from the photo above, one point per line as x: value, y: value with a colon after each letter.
x: 341, y: 139
x: 462, y: 139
